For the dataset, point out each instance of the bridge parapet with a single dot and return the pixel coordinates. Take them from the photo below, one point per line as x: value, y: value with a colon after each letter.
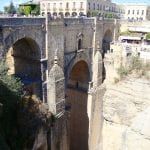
x: 21, y: 21
x: 71, y: 21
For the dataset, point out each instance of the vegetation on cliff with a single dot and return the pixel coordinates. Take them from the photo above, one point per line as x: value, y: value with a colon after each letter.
x: 135, y: 66
x: 20, y: 117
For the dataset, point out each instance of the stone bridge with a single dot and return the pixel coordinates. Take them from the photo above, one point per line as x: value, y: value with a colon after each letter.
x: 61, y: 62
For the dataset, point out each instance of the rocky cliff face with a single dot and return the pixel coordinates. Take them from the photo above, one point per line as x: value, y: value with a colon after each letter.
x: 126, y: 112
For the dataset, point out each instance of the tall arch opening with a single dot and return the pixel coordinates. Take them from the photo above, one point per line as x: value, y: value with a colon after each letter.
x: 23, y: 60
x: 78, y: 123
x: 106, y: 41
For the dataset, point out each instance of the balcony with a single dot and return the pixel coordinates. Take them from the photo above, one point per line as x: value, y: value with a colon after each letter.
x: 74, y: 9
x: 67, y: 9
x: 54, y: 9
x: 60, y: 9
x: 81, y: 9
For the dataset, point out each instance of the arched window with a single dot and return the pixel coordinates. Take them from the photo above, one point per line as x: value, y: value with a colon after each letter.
x: 79, y: 41
x: 79, y: 44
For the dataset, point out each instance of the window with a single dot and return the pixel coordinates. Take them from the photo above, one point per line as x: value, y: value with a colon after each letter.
x: 137, y: 12
x: 79, y: 44
x: 107, y: 8
x: 142, y: 12
x: 103, y: 7
x: 48, y: 7
x: 43, y: 6
x: 81, y: 5
x: 60, y: 7
x: 133, y: 12
x: 128, y: 12
x: 97, y: 6
x: 89, y: 5
x: 54, y: 5
x: 74, y: 5
x: 94, y: 6
x: 67, y: 5
x: 100, y: 7
x: 110, y: 9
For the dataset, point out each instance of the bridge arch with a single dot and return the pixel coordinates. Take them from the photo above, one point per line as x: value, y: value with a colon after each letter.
x: 107, y: 38
x: 76, y: 97
x: 23, y: 60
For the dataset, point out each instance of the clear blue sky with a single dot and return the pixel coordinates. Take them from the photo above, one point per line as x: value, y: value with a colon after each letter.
x: 16, y: 2
x: 7, y: 2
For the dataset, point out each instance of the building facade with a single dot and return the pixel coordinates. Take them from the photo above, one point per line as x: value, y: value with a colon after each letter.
x: 136, y: 12
x: 80, y: 7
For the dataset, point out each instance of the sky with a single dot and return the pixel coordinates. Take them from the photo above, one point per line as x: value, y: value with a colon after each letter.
x: 132, y: 1
x: 7, y: 2
x: 16, y: 2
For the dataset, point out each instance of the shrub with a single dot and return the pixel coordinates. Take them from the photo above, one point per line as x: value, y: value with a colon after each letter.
x: 21, y: 118
x: 148, y: 36
x: 122, y: 71
x: 116, y: 80
x: 12, y: 83
x: 126, y: 33
x: 136, y: 66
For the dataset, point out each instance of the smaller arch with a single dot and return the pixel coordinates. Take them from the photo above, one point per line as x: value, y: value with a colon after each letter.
x: 107, y: 39
x: 74, y: 14
x: 48, y: 13
x: 88, y: 14
x: 43, y: 13
x: 81, y: 14
x: 61, y: 14
x: 79, y: 76
x: 67, y: 14
x: 54, y: 13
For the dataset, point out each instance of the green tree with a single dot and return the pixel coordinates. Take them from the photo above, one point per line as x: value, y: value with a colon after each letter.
x: 36, y: 10
x: 10, y: 9
x: 27, y: 10
x: 10, y: 91
x: 148, y: 36
x: 94, y: 13
x: 12, y: 83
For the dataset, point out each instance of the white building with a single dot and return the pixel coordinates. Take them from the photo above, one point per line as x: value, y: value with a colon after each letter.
x: 78, y: 7
x: 136, y: 11
x: 132, y: 46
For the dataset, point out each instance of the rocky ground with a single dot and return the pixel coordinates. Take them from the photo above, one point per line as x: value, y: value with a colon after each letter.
x: 126, y: 112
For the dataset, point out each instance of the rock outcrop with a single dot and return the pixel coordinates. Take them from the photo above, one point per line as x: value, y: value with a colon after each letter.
x: 126, y: 112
